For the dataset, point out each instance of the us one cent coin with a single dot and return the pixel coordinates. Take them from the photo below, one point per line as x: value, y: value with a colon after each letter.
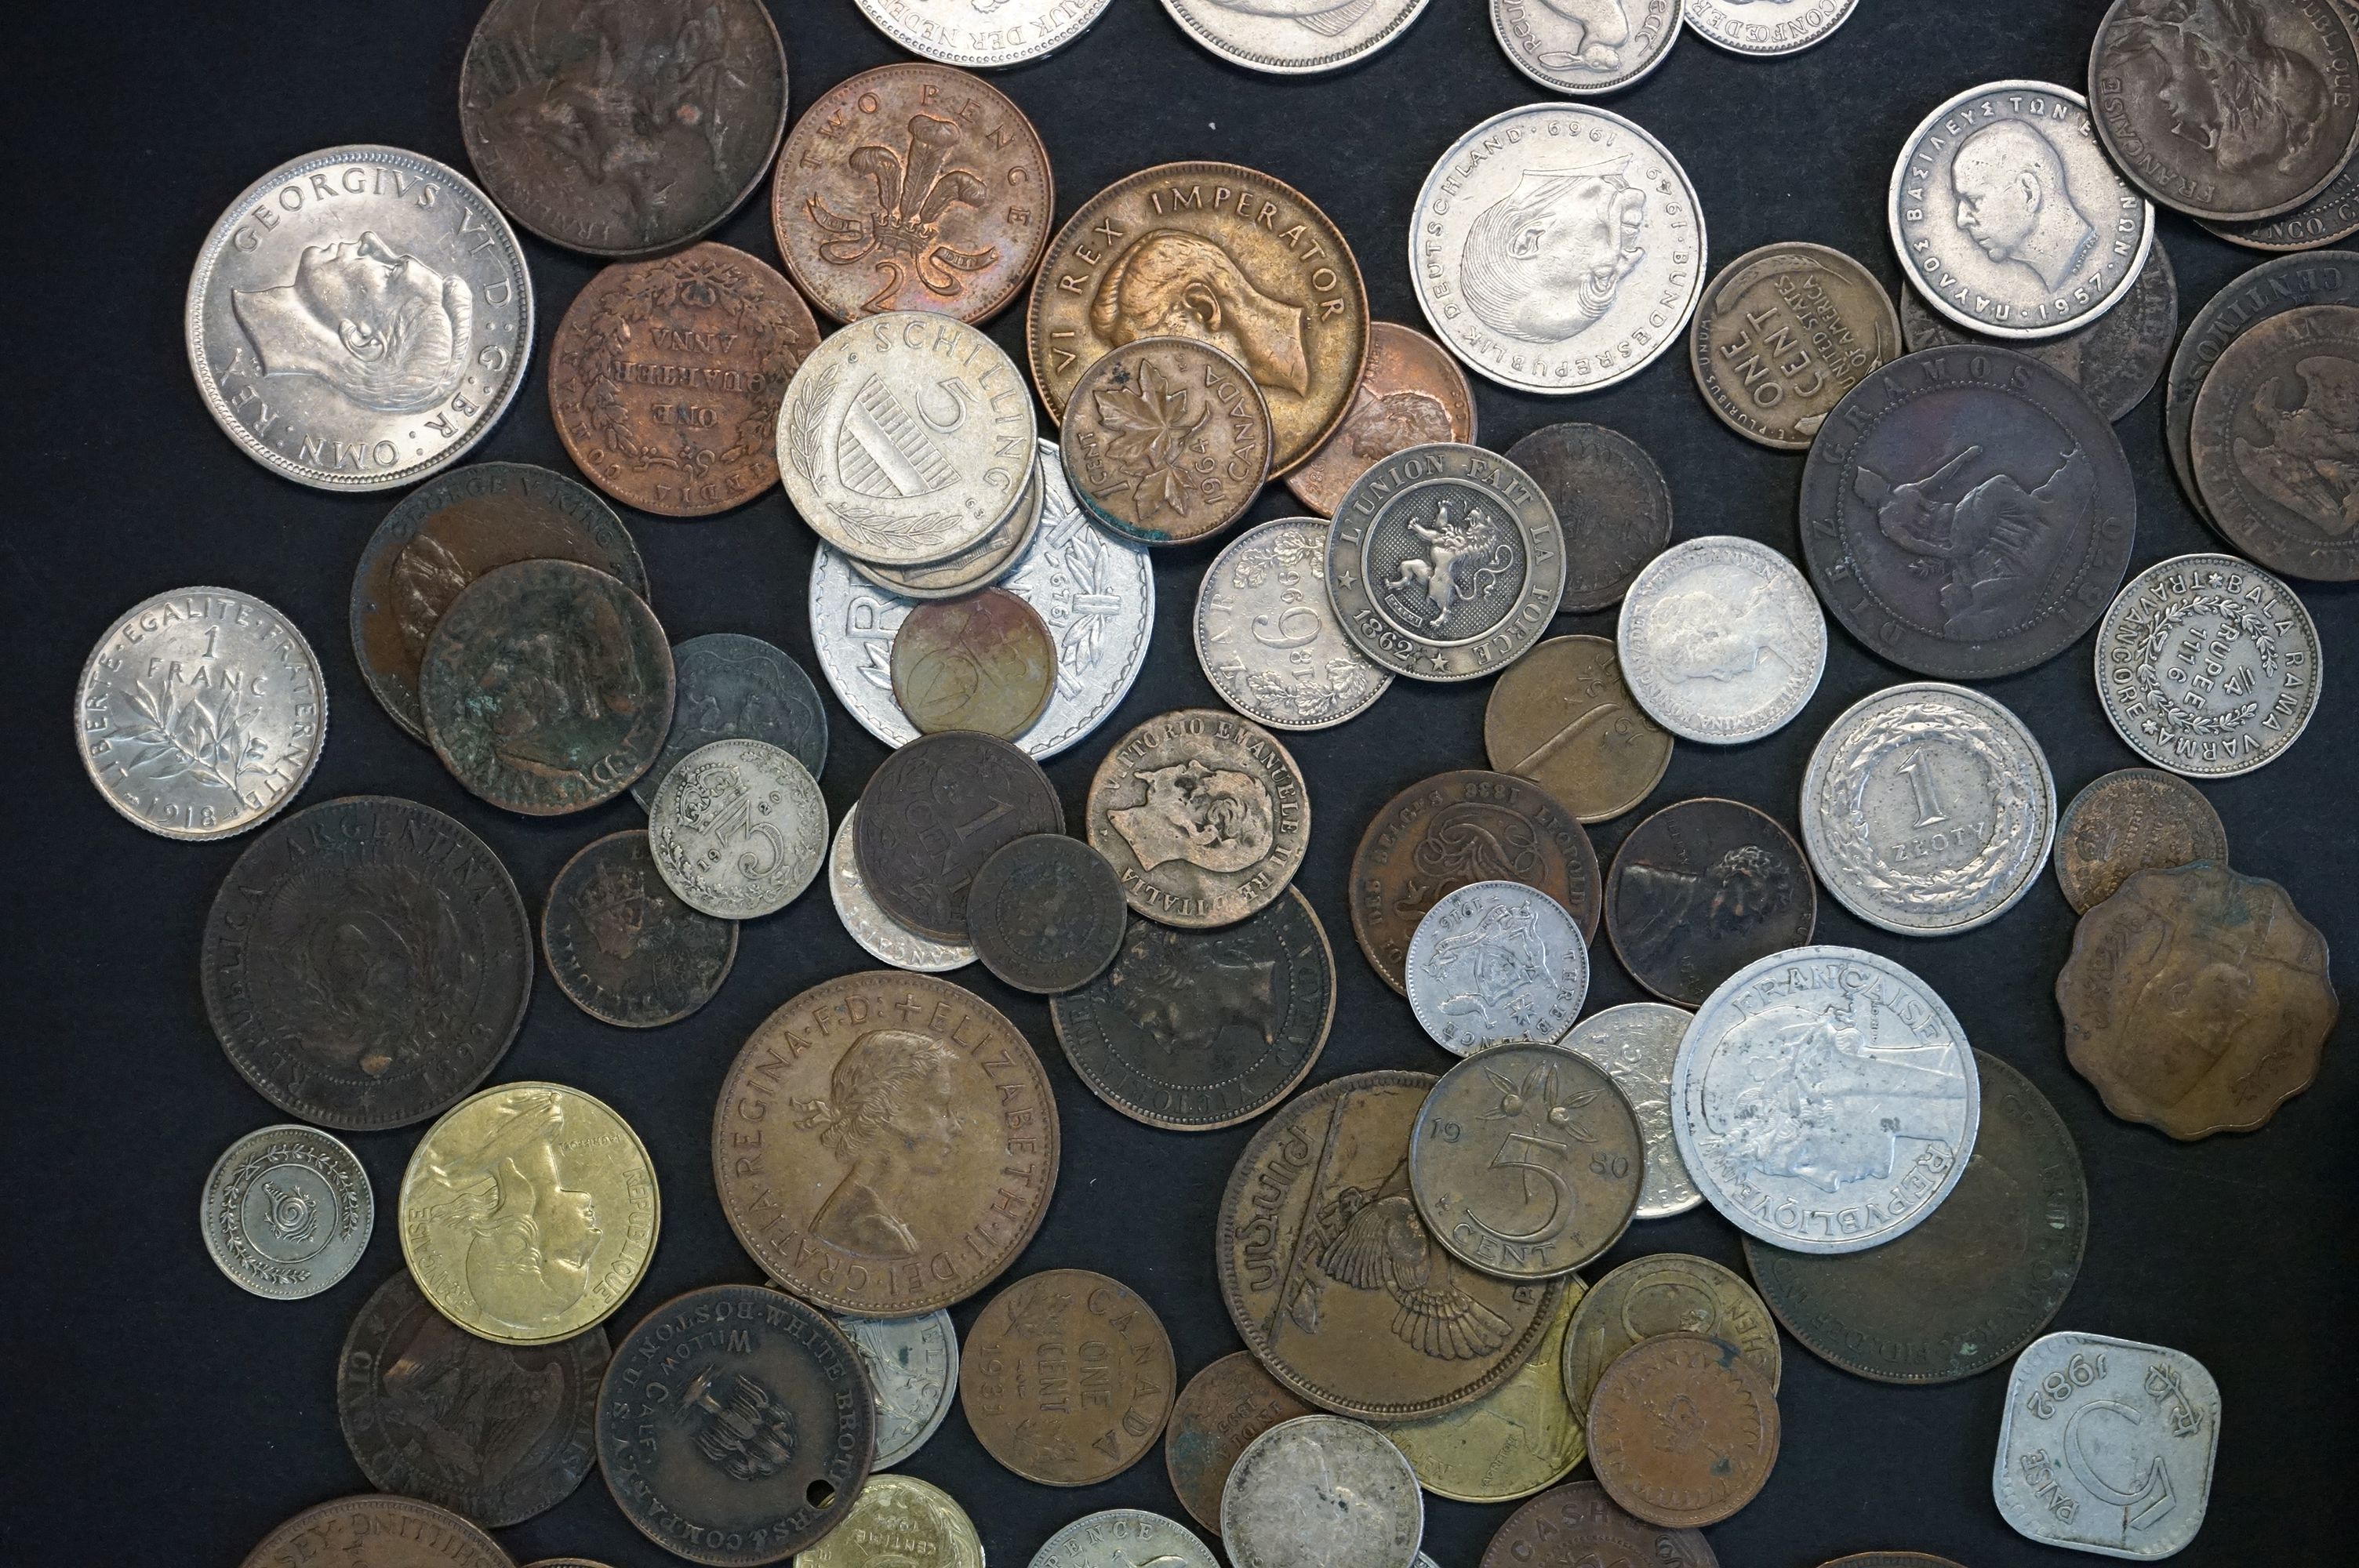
x: 2331, y: 215
x: 1412, y: 394
x: 735, y: 1425
x: 1612, y: 504
x: 1682, y: 1431
x: 1067, y: 1378
x: 1579, y: 1517
x: 2126, y: 822
x: 1267, y: 633
x: 934, y: 812
x: 1022, y: 30
x: 1202, y: 815
x: 1782, y: 334
x: 730, y: 687
x: 1047, y: 912
x: 496, y: 1432
x: 287, y: 1212
x: 1459, y: 828
x: 913, y: 1366
x: 1277, y: 287
x: 2196, y: 1001
x: 2115, y: 358
x: 912, y: 187
x: 1970, y: 1287
x: 1581, y: 53
x: 738, y: 830
x: 879, y: 934
x: 1297, y: 41
x: 1165, y: 440
x: 547, y: 687
x: 2270, y: 439
x: 1637, y: 1043
x: 1493, y: 962
x: 899, y: 1518
x: 1116, y: 1538
x: 982, y: 563
x: 981, y: 662
x: 622, y: 945
x: 1519, y: 1439
x: 375, y: 1530
x: 1701, y: 889
x: 366, y: 963
x: 2207, y: 665
x: 1370, y: 1514
x: 1562, y: 716
x: 1223, y: 1409
x: 1335, y: 1283
x: 885, y: 1144
x: 1721, y: 639
x: 1666, y: 1292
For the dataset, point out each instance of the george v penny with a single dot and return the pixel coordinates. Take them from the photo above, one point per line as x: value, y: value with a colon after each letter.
x: 1047, y: 914
x: 1223, y: 1409
x: 1579, y: 1523
x: 1203, y: 816
x: 2126, y: 822
x: 1166, y: 440
x: 1682, y: 1431
x: 981, y: 662
x: 934, y: 812
x: 1782, y: 334
x: 1517, y: 1440
x: 1562, y: 716
x: 2270, y: 440
x: 2115, y: 358
x: 1411, y: 393
x: 1067, y: 1378
x: 375, y: 1531
x: 1611, y: 505
x: 622, y: 945
x: 730, y: 687
x: 1703, y: 888
x: 1664, y: 1293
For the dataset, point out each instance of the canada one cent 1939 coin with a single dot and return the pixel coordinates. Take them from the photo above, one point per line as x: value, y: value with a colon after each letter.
x: 1782, y: 333
x: 1700, y: 890
x: 2115, y: 358
x: 913, y: 1365
x: 1664, y: 1293
x: 1637, y: 1043
x: 1047, y: 914
x: 622, y: 945
x: 981, y: 35
x: 1411, y: 393
x: 287, y: 1211
x: 730, y: 687
x: 1267, y: 636
x: 2126, y: 822
x: 377, y: 1531
x: 1612, y: 504
x: 934, y: 812
x: 1581, y: 1519
x: 1722, y: 1409
x: 1372, y: 1516
x: 1493, y: 962
x: 1165, y: 440
x: 1562, y: 716
x: 878, y: 933
x: 1223, y: 1408
x: 2270, y: 442
x: 1202, y: 815
x: 1721, y: 639
x: 1034, y: 1424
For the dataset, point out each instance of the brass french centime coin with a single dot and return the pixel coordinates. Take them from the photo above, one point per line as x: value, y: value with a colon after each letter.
x: 1664, y: 1293
x: 2128, y: 821
x: 1519, y: 1439
x: 1562, y: 716
x: 1047, y: 1428
x: 1202, y: 815
x: 375, y: 1530
x: 1411, y: 393
x: 897, y: 1520
x: 1682, y: 1430
x: 934, y: 812
x: 1782, y: 333
x: 1166, y: 440
x: 1223, y: 1407
x: 984, y: 662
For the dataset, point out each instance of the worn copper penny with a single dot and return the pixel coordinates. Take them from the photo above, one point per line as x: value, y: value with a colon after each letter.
x: 1889, y: 1560
x: 1562, y: 716
x: 1611, y: 500
x: 984, y: 661
x: 665, y: 379
x: 375, y: 1531
x: 1664, y: 1293
x: 2196, y: 1000
x: 1202, y: 815
x: 1047, y: 914
x: 1223, y: 1408
x: 1411, y: 393
x: 2115, y: 360
x: 1578, y: 1525
x: 934, y: 812
x: 2331, y: 215
x: 2126, y: 822
x: 1682, y: 1430
x: 1166, y: 440
x: 1700, y: 890
x: 1455, y: 829
x: 2272, y: 437
x: 622, y: 945
x: 1782, y: 333
x: 1067, y: 1378
x: 885, y: 1144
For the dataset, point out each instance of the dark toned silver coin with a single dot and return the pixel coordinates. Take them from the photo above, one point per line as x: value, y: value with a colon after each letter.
x: 1701, y: 889
x: 1610, y: 499
x: 2273, y: 442
x: 499, y: 1432
x: 1046, y: 914
x: 2116, y: 358
x: 622, y: 945
x: 934, y: 812
x: 730, y: 687
x: 1967, y: 513
x: 366, y: 962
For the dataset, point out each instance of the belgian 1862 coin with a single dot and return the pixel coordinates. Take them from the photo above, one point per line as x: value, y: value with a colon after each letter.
x: 934, y: 812
x: 1202, y: 815
x: 1583, y: 51
x: 1611, y: 501
x: 375, y: 1531
x: 738, y: 829
x: 1294, y: 40
x: 1411, y: 393
x: 879, y: 934
x: 1724, y: 1415
x: 1493, y: 962
x: 287, y: 1210
x: 1047, y: 914
x: 1037, y: 1425
x: 622, y: 945
x: 1267, y: 636
x: 1700, y: 890
x: 1011, y: 33
x: 730, y: 687
x: 2125, y: 822
x: 1519, y: 1439
x: 1579, y: 1517
x: 1562, y: 716
x: 2271, y: 439
x: 913, y: 1365
x: 1664, y: 1293
x: 1116, y: 1538
x: 1782, y: 333
x: 2115, y: 358
x: 1372, y: 1516
x: 1721, y: 639
x: 982, y: 661
x: 1637, y: 1043
x: 1165, y: 440
x: 1223, y: 1409
x: 898, y: 1520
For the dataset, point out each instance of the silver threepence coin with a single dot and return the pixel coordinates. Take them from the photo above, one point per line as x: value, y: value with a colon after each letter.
x: 1637, y: 1043
x: 738, y: 829
x: 1928, y: 809
x: 2106, y: 1445
x: 1583, y: 48
x: 1721, y: 640
x: 1370, y: 1514
x: 287, y: 1211
x: 1494, y: 962
x: 983, y: 35
x: 359, y: 317
x: 2207, y: 665
x: 1558, y: 248
x: 1267, y: 636
x: 913, y: 1368
x: 201, y: 713
x: 730, y: 687
x: 1767, y: 27
x: 884, y: 937
x: 2008, y: 216
x: 1294, y: 37
x: 1119, y: 1538
x: 1825, y: 1100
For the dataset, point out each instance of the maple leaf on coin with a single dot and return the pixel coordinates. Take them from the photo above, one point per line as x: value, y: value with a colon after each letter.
x: 1150, y: 431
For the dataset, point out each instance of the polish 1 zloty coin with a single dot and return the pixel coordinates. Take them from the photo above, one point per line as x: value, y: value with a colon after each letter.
x: 1637, y: 1043
x: 1783, y: 333
x: 730, y: 687
x: 1117, y: 1538
x: 1721, y: 640
x: 622, y: 945
x: 1411, y: 393
x: 1267, y: 636
x: 287, y: 1211
x: 1763, y: 28
x: 1294, y: 37
x: 2115, y: 358
x: 738, y: 829
x: 1611, y: 500
x: 1374, y: 1516
x: 898, y: 1520
x: 1582, y: 50
x: 1493, y: 962
x: 913, y: 1368
x: 2270, y: 439
x: 885, y: 939
x: 2132, y: 820
x: 983, y: 35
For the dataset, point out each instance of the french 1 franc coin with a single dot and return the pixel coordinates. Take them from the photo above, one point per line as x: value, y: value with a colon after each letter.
x: 1220, y: 1411
x: 1411, y: 393
x: 286, y: 1211
x: 376, y: 1530
x: 738, y: 830
x: 2115, y: 358
x: 2270, y: 439
x: 547, y: 687
x: 1116, y: 1538
x: 1968, y: 513
x: 1445, y: 563
x: 2196, y: 1001
x: 1373, y: 1516
x: 1721, y: 640
x: 912, y: 187
x: 885, y: 1144
x: 1557, y: 248
x: 1333, y: 1280
x: 366, y: 963
x: 730, y: 687
x: 878, y: 933
x: 1579, y: 1517
x: 983, y: 661
x: 201, y: 713
x: 1297, y: 39
x: 359, y: 318
x: 1494, y: 962
x: 1664, y: 1293
x: 1017, y: 31
x: 1047, y: 914
x: 2128, y: 821
x: 1277, y: 286
x: 934, y: 812
x: 1637, y: 1043
x: 2330, y: 216
x: 978, y: 565
x: 1194, y: 1030
x: 1519, y: 1439
x: 622, y: 132
x: 1203, y: 816
x: 913, y: 1366
x: 450, y: 531
x: 1562, y: 716
x: 735, y: 1426
x: 1782, y: 334
x: 1166, y: 440
x: 1703, y: 888
x: 1458, y: 827
x: 1267, y: 633
x: 622, y: 945
x: 1682, y: 1431
x: 1584, y: 52
x: 1970, y: 1287
x: 1611, y: 501
x: 898, y: 1520
x: 498, y: 1432
x: 1034, y: 1425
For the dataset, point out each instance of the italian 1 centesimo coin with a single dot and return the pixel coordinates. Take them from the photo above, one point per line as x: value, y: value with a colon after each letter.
x: 1562, y: 716
x: 1493, y: 962
x: 1579, y: 1517
x: 983, y: 661
x: 1583, y: 51
x: 1703, y: 888
x: 1267, y: 636
x: 1637, y: 1044
x: 1116, y: 1538
x: 1782, y: 333
x: 979, y: 35
x: 1165, y: 440
x: 1725, y: 1412
x: 359, y: 318
x: 1721, y: 640
x: 1519, y: 1439
x: 738, y: 830
x: 2115, y: 358
x: 883, y: 937
x: 934, y: 812
x: 1297, y: 38
x: 899, y: 1518
x: 1664, y: 1293
x: 2269, y: 442
x: 377, y: 1531
x: 1411, y: 393
x: 2128, y: 821
x: 1611, y: 501
x: 287, y: 1210
x: 1220, y: 1411
x: 730, y: 687
x: 622, y: 945
x: 1373, y: 1515
x: 1047, y: 914
x: 1203, y: 816
x: 913, y: 1366
x: 1032, y: 1423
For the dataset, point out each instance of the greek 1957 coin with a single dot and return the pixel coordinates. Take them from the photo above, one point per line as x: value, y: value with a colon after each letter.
x: 1294, y: 37
x: 1664, y: 1293
x: 2009, y: 218
x: 1037, y: 1424
x: 1682, y: 1430
x: 622, y: 130
x: 1581, y: 1519
x: 366, y: 963
x: 913, y: 1366
x: 2270, y: 442
x: 1611, y: 501
x: 375, y: 1530
x: 1721, y: 640
x: 1116, y: 1538
x: 1267, y: 636
x: 885, y: 1144
x: 2126, y: 822
x: 1562, y: 716
x: 1411, y: 393
x: 1223, y: 1409
x: 1047, y: 914
x: 735, y: 1426
x: 553, y: 1164
x: 287, y: 1210
x: 1202, y: 815
x: 1967, y: 1289
x: 912, y: 187
x: 898, y: 1520
x: 983, y: 662
x: 1584, y: 49
x: 1637, y: 1044
x: 1557, y: 248
x: 2207, y: 665
x: 1165, y: 440
x: 983, y: 35
x: 738, y: 830
x: 1782, y: 334
x: 499, y: 1432
x: 622, y: 945
x: 1493, y: 962
x: 1367, y: 1510
x: 2106, y: 1447
x: 2115, y: 358
x: 730, y: 687
x: 359, y: 317
x: 1700, y: 890
x: 935, y: 811
x: 883, y: 938
x: 201, y: 713
x: 1519, y: 1439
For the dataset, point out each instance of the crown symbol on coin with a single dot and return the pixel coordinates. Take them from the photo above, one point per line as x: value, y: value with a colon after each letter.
x: 615, y: 905
x: 913, y: 191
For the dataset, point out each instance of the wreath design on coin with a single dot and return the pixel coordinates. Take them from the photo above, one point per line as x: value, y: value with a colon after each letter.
x: 873, y: 526
x: 2158, y: 714
x: 1855, y: 849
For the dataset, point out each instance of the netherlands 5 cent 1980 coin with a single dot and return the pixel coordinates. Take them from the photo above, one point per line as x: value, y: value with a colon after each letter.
x: 1782, y: 334
x: 1267, y: 636
x: 1202, y: 815
x: 1493, y: 962
x: 287, y: 1211
x: 1721, y: 640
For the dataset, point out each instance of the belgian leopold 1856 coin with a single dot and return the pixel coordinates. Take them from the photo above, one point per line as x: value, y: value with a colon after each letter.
x: 1703, y: 888
x: 1297, y: 38
x: 622, y: 945
x: 2207, y: 665
x: 287, y: 1211
x: 1032, y: 1422
x: 934, y: 812
x: 979, y: 34
x: 2115, y: 358
x: 2131, y: 820
x: 1782, y: 334
x: 1047, y: 914
x: 2271, y: 441
x: 730, y: 687
x: 1611, y: 500
x: 1202, y: 815
x: 1267, y: 633
x: 375, y: 1531
x: 1721, y: 640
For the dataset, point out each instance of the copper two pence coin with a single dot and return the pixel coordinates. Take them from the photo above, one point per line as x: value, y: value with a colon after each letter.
x: 1562, y: 716
x: 1612, y: 501
x: 1047, y: 914
x: 1202, y: 815
x: 665, y: 379
x: 376, y: 1530
x: 1682, y: 1431
x: 2131, y: 820
x: 1411, y: 393
x: 1579, y: 1525
x: 622, y: 945
x: 934, y: 812
x: 1703, y: 888
x: 984, y: 662
x: 912, y: 187
x: 2271, y: 440
x: 1067, y: 1378
x: 1166, y: 440
x: 1223, y: 1408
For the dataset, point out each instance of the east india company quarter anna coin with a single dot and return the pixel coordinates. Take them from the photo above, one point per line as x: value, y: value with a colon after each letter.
x: 287, y: 1212
x: 1267, y: 636
x: 1703, y: 888
x: 2126, y: 822
x: 375, y: 1531
x: 1411, y: 393
x: 1782, y: 333
x: 1095, y: 1423
x: 934, y: 812
x: 622, y: 945
x: 2270, y: 442
x: 1202, y: 815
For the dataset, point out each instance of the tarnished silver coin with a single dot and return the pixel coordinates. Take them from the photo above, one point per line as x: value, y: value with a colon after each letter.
x: 1637, y: 1043
x: 1767, y: 27
x: 201, y: 713
x: 1558, y: 248
x: 1721, y: 640
x: 913, y: 1367
x: 287, y: 1211
x: 1267, y: 636
x: 359, y: 317
x: 730, y: 687
x: 1294, y: 37
x: 983, y: 35
x: 1583, y: 48
x: 1493, y: 962
x: 1123, y: 1538
x: 977, y: 567
x: 1368, y: 1509
x: 884, y: 937
x: 2207, y: 665
x: 1825, y: 1100
x: 738, y: 829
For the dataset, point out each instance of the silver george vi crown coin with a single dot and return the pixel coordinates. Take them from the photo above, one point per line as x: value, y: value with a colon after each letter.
x: 738, y: 829
x: 1583, y: 48
x: 884, y: 937
x: 1637, y: 1043
x: 359, y: 318
x: 1721, y: 640
x: 913, y: 1369
x: 1294, y: 37
x: 983, y: 35
x: 1118, y: 1538
x: 287, y: 1211
x: 1267, y: 636
x: 1825, y: 1100
x: 1373, y: 1515
x: 1763, y: 28
x: 1493, y: 963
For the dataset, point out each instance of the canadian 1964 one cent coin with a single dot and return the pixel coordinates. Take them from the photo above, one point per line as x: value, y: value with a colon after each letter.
x: 983, y: 662
x: 1047, y: 914
x: 1371, y: 1514
x: 1043, y: 1427
x: 1782, y: 334
x: 1493, y: 962
x: 496, y: 1432
x: 2115, y: 358
x: 1221, y: 1409
x: 1267, y: 636
x: 1682, y: 1430
x: 912, y: 1365
x: 738, y: 829
x: 1519, y: 1439
x: 2270, y: 442
x: 735, y: 1425
x: 885, y: 1144
x: 201, y: 713
x: 899, y: 1518
x: 883, y: 937
x: 1116, y: 1538
x: 1580, y: 1518
x: 912, y: 187
x: 1202, y: 815
x: 366, y: 963
x: 1295, y: 39
x: 375, y: 1530
x: 983, y: 36
x: 1637, y: 1043
x: 1165, y: 440
x: 1703, y: 888
x: 287, y: 1210
x: 934, y: 812
x: 1581, y: 51
x: 730, y: 687
x: 1562, y: 716
x: 2207, y: 665
x: 1611, y: 505
x: 1411, y: 393
x: 2126, y: 822
x: 1664, y: 1293
x: 1721, y: 640
x: 622, y: 945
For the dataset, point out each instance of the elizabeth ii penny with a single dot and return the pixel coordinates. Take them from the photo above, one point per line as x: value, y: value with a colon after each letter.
x: 1782, y: 334
x: 1682, y: 1431
x: 1411, y: 393
x: 1202, y: 815
x: 2128, y: 821
x: 984, y: 661
x: 1562, y: 716
x: 934, y: 812
x: 1165, y: 440
x: 1035, y: 1426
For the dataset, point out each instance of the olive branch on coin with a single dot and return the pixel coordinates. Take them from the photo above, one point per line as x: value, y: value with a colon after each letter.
x: 186, y: 738
x: 1880, y: 738
x: 802, y: 424
x: 2159, y: 715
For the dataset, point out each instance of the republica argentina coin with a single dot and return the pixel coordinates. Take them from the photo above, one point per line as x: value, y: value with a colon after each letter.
x: 1581, y: 50
x: 913, y: 1368
x: 622, y: 945
x: 1034, y: 1425
x: 1202, y: 815
x: 1267, y: 636
x: 1637, y: 1043
x: 1411, y: 393
x: 1117, y: 1538
x: 982, y: 37
x: 2126, y: 822
x: 730, y: 687
x: 883, y: 938
x: 1047, y: 914
x: 1519, y: 1439
x: 375, y: 1531
x: 1726, y: 1416
x: 2115, y: 358
x: 1297, y: 38
x: 1721, y: 640
x: 896, y: 1515
x: 2269, y: 442
x: 1611, y: 500
x: 1581, y: 1519
x: 286, y: 1211
x: 1562, y: 716
x: 982, y: 661
x: 1782, y: 334
x: 1166, y: 440
x: 1223, y: 1408
x: 1765, y: 28
x: 1703, y: 888
x: 1664, y: 1293
x: 934, y: 812
x: 1373, y: 1516
x: 1493, y: 962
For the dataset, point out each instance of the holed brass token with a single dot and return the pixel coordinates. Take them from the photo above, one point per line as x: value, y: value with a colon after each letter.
x: 1664, y: 1293
x: 984, y: 662
x: 1067, y: 1378
x: 1562, y: 716
x: 1223, y: 1408
x: 898, y: 1520
x: 1520, y: 1438
x: 1682, y: 1431
x: 1166, y: 440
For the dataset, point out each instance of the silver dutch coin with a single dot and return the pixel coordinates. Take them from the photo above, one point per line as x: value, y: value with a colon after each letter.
x: 1637, y: 1043
x: 1721, y: 640
x: 2207, y: 665
x: 1371, y: 1514
x: 913, y: 1368
x: 1583, y: 48
x: 738, y: 829
x: 883, y: 937
x: 1763, y: 28
x: 1294, y: 37
x: 287, y: 1211
x: 983, y: 35
x: 1120, y: 1538
x: 1267, y: 636
x: 1495, y: 962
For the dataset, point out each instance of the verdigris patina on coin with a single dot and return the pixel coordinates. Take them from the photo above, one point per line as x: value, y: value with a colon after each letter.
x: 1782, y: 334
x: 1032, y: 1423
x: 1294, y: 37
x: 2126, y: 822
x: 1582, y: 50
x: 1165, y: 440
x: 1411, y: 393
x: 1047, y: 914
x: 983, y: 662
x: 883, y: 937
x: 1372, y: 1517
x: 913, y: 1366
x: 1202, y: 815
x: 2115, y: 358
x: 738, y: 829
x: 1516, y: 1440
x: 1683, y: 1431
x: 1117, y: 1538
x: 1223, y: 1409
x: 898, y: 1520
x: 983, y: 35
x: 1267, y: 636
x: 1493, y: 962
x: 1721, y: 640
x: 1562, y: 716
x: 1611, y: 505
x: 934, y: 812
x: 730, y: 687
x: 1664, y: 1293
x: 375, y: 1531
x: 622, y: 945
x: 1581, y: 1519
x: 2207, y: 665
x: 287, y: 1212
x: 2270, y: 442
x: 1700, y: 890
x: 1637, y: 1044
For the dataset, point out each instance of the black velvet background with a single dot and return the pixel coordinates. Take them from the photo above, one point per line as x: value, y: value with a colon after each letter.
x: 155, y: 1413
